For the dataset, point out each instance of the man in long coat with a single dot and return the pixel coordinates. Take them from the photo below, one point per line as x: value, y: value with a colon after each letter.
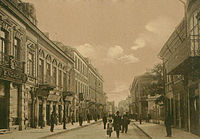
x: 117, y: 123
x: 125, y: 123
x: 104, y: 120
x: 52, y: 121
x: 168, y: 125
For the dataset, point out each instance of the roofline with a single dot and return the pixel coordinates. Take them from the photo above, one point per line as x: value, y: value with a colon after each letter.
x: 16, y: 12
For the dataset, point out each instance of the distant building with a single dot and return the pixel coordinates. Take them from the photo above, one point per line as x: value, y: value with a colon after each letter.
x: 139, y: 94
x: 110, y: 107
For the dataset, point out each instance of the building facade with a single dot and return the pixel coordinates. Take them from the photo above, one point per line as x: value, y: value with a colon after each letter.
x: 37, y: 70
x: 142, y: 103
x: 180, y: 56
x: 40, y: 77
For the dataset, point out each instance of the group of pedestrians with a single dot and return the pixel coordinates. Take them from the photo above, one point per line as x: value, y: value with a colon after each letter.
x: 116, y: 122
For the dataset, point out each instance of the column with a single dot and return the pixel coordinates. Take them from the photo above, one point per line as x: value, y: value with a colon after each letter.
x: 188, y: 97
x: 199, y: 102
x: 57, y: 113
x: 44, y: 111
x: 21, y: 106
x: 36, y: 112
x: 51, y: 107
x: 174, y: 108
x: 179, y: 110
x: 62, y: 108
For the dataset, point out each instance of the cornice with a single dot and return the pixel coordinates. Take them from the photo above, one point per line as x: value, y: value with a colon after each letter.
x: 20, y: 16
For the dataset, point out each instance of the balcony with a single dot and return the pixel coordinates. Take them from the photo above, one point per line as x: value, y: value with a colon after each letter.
x: 181, y: 53
x: 12, y: 69
x: 47, y: 82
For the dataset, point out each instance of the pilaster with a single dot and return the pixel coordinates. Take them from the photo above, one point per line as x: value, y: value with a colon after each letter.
x: 44, y: 110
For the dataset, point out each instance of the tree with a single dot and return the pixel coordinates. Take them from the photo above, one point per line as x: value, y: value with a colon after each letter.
x: 157, y: 86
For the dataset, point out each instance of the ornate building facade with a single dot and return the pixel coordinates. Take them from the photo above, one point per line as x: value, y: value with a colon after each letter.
x: 180, y: 56
x: 35, y: 72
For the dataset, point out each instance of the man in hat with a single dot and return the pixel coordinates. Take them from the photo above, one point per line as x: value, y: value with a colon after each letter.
x: 117, y: 123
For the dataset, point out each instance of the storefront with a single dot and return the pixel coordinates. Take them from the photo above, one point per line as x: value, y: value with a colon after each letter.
x: 194, y: 109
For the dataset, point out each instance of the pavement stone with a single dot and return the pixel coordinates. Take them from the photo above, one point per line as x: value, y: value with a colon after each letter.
x: 43, y: 133
x: 156, y: 131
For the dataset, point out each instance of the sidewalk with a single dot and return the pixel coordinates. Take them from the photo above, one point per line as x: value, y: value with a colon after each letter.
x: 156, y: 131
x: 45, y: 132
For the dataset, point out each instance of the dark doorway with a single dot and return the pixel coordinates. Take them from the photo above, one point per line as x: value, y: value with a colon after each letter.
x: 59, y: 112
x: 40, y: 116
x: 48, y: 114
x: 3, y: 107
x: 194, y: 110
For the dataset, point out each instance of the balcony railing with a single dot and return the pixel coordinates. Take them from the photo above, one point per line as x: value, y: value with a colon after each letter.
x: 9, y: 61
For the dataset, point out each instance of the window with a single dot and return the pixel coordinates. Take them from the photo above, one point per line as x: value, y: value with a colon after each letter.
x: 55, y: 75
x: 2, y: 44
x: 194, y: 34
x: 64, y: 81
x: 48, y: 69
x: 41, y: 70
x: 60, y: 78
x: 31, y: 64
x: 15, y: 50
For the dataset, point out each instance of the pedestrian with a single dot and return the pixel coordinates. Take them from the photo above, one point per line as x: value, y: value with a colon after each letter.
x: 41, y: 121
x: 168, y: 125
x: 136, y: 116
x: 125, y: 123
x: 148, y: 117
x: 26, y: 122
x: 80, y: 119
x: 104, y: 120
x: 72, y: 118
x: 140, y: 118
x: 109, y: 128
x: 117, y: 123
x: 88, y: 117
x: 52, y: 121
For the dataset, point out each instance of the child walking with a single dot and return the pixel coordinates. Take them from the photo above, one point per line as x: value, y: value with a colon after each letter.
x: 109, y: 127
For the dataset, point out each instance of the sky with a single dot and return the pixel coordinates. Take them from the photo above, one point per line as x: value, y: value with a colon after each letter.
x: 122, y: 38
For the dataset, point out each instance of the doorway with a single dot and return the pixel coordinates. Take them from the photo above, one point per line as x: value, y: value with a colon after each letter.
x: 3, y: 107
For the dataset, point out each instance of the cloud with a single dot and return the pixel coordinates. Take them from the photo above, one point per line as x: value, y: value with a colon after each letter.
x: 128, y: 59
x: 87, y: 50
x: 161, y: 25
x: 120, y: 87
x: 115, y: 51
x: 139, y: 43
x: 116, y: 54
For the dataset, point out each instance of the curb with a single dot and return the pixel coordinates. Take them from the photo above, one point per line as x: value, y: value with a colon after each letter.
x: 67, y: 130
x: 143, y: 131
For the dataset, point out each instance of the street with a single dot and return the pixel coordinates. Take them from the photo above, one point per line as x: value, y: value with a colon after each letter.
x: 96, y: 131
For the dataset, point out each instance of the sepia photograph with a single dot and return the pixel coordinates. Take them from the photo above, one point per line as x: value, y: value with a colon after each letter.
x: 99, y: 69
